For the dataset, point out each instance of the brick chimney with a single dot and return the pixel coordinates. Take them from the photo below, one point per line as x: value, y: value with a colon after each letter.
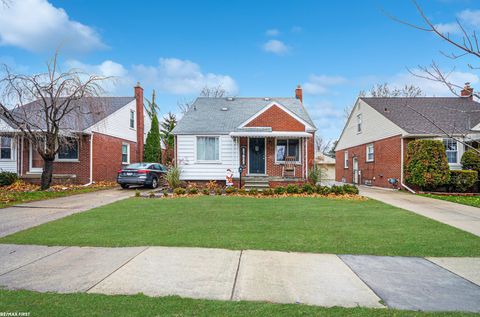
x: 140, y: 121
x: 299, y: 93
x: 467, y: 91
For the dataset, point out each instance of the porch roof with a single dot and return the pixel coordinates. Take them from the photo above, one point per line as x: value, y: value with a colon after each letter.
x: 271, y: 134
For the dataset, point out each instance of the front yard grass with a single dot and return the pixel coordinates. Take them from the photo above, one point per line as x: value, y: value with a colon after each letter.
x: 464, y: 200
x: 51, y: 304
x: 303, y: 224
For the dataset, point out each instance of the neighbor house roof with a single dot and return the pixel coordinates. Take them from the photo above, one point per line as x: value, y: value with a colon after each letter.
x: 206, y: 115
x: 415, y: 115
x: 87, y: 112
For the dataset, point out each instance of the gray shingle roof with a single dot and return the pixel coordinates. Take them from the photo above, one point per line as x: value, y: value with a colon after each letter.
x: 209, y: 118
x: 88, y: 111
x: 452, y: 114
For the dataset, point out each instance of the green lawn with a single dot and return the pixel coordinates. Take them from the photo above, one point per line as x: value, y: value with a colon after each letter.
x: 51, y: 304
x: 464, y: 200
x: 288, y: 224
x: 14, y: 198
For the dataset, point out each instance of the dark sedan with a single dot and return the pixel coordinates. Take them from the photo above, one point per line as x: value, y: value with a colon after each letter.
x: 145, y: 174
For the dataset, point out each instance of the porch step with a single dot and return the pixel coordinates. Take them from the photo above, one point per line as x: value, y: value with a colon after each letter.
x: 256, y: 183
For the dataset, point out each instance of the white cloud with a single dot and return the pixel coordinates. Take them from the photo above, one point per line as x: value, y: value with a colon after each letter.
x: 434, y: 88
x: 178, y: 76
x: 471, y: 17
x: 37, y: 25
x: 326, y: 117
x: 321, y: 84
x: 448, y: 27
x: 276, y: 47
x: 272, y: 32
x: 467, y: 18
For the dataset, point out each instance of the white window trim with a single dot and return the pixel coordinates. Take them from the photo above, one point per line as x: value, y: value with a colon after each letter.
x: 12, y: 149
x: 128, y: 153
x: 366, y: 153
x: 299, y: 162
x: 345, y: 159
x: 130, y: 119
x: 57, y: 159
x: 359, y: 123
x: 219, y: 161
x: 458, y: 152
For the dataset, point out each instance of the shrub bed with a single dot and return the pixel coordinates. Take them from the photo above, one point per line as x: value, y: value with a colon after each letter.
x: 462, y: 180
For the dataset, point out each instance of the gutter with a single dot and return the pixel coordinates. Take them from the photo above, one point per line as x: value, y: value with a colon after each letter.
x: 91, y: 161
x: 401, y: 168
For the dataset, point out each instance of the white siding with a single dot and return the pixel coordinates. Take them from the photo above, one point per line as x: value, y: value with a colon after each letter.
x: 10, y: 165
x: 374, y: 127
x: 118, y: 124
x: 4, y: 127
x: 193, y: 170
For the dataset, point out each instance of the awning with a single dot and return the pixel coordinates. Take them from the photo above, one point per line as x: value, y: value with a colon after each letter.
x: 271, y: 134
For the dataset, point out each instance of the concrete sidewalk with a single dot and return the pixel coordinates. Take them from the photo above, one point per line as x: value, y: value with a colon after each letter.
x: 463, y: 217
x: 433, y: 284
x: 24, y: 216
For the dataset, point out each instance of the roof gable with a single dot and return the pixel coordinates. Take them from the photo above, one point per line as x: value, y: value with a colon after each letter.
x: 277, y: 117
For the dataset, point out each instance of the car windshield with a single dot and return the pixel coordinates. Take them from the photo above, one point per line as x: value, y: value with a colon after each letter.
x: 138, y: 165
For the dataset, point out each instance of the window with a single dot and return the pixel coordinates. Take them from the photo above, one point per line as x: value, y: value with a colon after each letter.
x: 345, y: 159
x: 359, y: 123
x: 208, y: 148
x: 452, y: 150
x: 125, y: 153
x: 132, y: 119
x: 68, y: 150
x: 6, y: 152
x: 370, y: 153
x: 287, y: 147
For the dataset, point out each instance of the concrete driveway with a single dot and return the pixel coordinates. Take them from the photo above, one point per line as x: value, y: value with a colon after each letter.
x: 463, y: 217
x: 433, y: 284
x: 24, y: 216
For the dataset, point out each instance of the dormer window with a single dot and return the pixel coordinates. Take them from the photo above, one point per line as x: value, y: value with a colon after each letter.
x: 132, y: 119
x: 359, y: 123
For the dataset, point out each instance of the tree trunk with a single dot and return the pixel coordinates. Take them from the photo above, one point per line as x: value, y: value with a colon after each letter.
x: 46, y: 179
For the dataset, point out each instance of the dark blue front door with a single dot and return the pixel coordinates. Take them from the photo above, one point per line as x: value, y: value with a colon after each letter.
x: 256, y: 154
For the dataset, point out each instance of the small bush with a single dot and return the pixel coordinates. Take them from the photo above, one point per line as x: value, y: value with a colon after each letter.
x: 308, y: 189
x: 426, y: 164
x: 151, y: 194
x: 462, y: 180
x: 242, y: 191
x: 279, y: 190
x: 173, y: 177
x: 230, y: 190
x: 7, y: 178
x: 337, y: 190
x: 212, y: 186
x: 350, y: 189
x: 471, y: 160
x: 165, y: 193
x: 193, y: 190
x: 218, y: 191
x: 137, y: 193
x: 314, y: 175
x: 323, y: 190
x: 253, y: 192
x: 267, y: 192
x: 179, y: 191
x: 205, y: 191
x: 292, y: 189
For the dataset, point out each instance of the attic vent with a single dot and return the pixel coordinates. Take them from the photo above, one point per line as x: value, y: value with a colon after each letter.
x: 266, y: 99
x: 230, y: 98
x: 224, y: 109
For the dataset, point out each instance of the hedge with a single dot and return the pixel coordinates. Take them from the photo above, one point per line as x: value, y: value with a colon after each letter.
x: 7, y: 178
x: 471, y: 160
x: 462, y: 180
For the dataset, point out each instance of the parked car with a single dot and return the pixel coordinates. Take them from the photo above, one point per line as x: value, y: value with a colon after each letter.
x: 145, y: 174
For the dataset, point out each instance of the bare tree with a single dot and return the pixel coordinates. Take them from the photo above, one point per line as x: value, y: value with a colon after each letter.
x: 321, y: 145
x: 44, y: 108
x: 212, y: 92
x: 465, y: 45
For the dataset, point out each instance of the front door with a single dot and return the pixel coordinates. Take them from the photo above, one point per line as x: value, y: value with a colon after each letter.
x: 256, y: 150
x: 355, y: 170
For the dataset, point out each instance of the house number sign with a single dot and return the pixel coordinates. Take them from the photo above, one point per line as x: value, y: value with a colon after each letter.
x: 243, y: 153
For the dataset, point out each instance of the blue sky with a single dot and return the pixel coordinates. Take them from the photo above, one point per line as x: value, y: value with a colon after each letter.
x: 252, y: 48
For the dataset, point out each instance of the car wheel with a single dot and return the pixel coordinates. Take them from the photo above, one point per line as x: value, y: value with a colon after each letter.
x: 154, y: 183
x: 124, y: 186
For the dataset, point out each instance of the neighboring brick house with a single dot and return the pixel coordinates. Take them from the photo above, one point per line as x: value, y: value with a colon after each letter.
x: 258, y: 134
x: 105, y: 134
x: 372, y: 147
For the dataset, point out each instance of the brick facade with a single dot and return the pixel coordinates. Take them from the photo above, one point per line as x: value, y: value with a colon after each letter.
x: 386, y: 164
x: 277, y: 119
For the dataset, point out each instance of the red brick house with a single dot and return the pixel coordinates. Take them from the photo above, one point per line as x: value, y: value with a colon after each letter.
x: 102, y: 141
x: 261, y: 135
x: 372, y: 147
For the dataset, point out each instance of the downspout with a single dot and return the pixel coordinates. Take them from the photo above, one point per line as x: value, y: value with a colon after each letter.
x: 91, y: 161
x: 401, y: 168
x: 306, y: 158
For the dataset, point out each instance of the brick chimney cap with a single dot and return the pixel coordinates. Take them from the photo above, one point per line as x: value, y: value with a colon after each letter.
x: 138, y: 85
x: 299, y: 86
